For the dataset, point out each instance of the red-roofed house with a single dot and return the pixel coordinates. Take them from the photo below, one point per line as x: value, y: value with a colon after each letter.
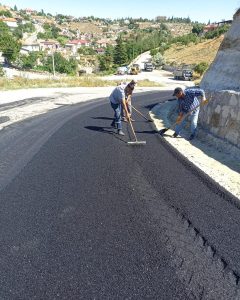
x: 210, y: 27
x: 11, y: 22
x: 30, y: 11
x: 74, y: 45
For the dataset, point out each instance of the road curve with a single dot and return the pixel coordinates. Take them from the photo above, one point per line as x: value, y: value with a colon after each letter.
x: 85, y: 216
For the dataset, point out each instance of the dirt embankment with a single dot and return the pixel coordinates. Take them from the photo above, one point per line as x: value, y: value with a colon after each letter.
x: 193, y: 54
x: 85, y: 27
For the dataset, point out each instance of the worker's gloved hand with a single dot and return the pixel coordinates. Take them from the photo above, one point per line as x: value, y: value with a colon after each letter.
x: 205, y: 101
x: 179, y: 119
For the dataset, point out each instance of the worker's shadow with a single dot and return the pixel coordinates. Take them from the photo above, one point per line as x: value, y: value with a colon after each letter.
x: 103, y: 118
x: 150, y: 106
x: 104, y: 130
x: 146, y: 131
x: 100, y: 129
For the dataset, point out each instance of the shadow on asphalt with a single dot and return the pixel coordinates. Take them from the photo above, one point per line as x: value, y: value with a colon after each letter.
x: 103, y: 130
x: 102, y: 118
x: 150, y: 106
x: 99, y: 129
x: 147, y: 131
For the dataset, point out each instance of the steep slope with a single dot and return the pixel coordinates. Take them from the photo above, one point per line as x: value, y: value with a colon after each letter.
x: 193, y: 54
x: 225, y: 70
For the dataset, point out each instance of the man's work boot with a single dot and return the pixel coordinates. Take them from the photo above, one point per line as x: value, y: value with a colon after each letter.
x: 175, y: 135
x: 113, y: 124
x: 192, y: 136
x: 120, y: 132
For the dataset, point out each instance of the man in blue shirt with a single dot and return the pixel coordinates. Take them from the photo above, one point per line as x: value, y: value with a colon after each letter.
x: 188, y: 103
x: 118, y: 101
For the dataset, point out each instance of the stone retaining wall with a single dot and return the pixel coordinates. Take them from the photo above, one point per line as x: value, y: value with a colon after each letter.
x: 221, y: 116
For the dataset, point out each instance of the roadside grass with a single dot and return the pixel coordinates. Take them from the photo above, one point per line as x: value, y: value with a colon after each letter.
x: 84, y: 81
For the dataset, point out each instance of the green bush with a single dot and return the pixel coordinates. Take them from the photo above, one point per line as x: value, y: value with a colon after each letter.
x: 217, y: 32
x: 201, y: 68
x: 1, y: 72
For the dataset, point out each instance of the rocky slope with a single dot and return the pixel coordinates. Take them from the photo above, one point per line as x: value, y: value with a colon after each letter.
x: 224, y: 73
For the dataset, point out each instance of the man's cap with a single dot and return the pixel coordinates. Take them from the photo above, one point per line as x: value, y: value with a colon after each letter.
x: 177, y: 90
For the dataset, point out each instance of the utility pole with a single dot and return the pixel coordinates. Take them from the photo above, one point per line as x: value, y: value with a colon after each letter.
x: 53, y: 64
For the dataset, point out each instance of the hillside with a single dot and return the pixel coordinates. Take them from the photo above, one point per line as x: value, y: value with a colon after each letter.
x: 179, y: 29
x: 85, y: 27
x: 193, y: 54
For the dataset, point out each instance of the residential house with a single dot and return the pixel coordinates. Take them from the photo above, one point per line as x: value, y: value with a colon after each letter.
x: 29, y: 11
x: 102, y: 43
x: 74, y: 45
x: 210, y: 27
x: 29, y: 47
x: 213, y: 26
x: 11, y: 22
x: 49, y: 46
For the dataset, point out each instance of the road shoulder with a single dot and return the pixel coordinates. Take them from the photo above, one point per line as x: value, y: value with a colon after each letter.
x: 207, y: 152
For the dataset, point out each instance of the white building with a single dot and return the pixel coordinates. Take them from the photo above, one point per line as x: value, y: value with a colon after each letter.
x: 30, y: 48
x: 10, y: 22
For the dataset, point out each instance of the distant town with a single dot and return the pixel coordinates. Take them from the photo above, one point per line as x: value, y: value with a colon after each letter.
x: 82, y: 40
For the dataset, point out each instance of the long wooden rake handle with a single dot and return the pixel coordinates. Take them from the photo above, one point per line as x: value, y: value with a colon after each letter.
x: 130, y: 122
x: 140, y: 113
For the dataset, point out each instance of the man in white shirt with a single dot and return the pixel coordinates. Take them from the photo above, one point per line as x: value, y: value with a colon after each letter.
x: 118, y: 101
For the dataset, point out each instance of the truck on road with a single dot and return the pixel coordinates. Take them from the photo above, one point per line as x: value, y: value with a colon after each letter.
x: 183, y: 74
x: 148, y: 67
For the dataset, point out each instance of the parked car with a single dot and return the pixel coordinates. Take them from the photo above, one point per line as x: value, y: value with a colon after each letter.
x: 122, y: 70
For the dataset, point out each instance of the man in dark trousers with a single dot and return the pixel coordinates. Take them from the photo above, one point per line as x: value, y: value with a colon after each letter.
x: 128, y: 94
x: 118, y: 101
x: 188, y: 102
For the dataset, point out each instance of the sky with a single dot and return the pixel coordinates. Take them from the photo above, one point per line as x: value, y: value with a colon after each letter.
x: 201, y: 10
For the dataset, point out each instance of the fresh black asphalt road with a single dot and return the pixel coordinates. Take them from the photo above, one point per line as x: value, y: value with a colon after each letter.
x: 82, y: 213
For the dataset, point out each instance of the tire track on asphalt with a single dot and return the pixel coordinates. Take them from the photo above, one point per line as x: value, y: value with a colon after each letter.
x: 198, y: 265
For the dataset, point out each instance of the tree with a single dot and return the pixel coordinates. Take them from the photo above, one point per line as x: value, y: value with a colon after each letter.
x: 28, y: 61
x: 62, y: 65
x: 2, y: 73
x: 158, y: 60
x: 5, y: 13
x: 106, y: 60
x: 197, y: 28
x: 120, y: 53
x: 8, y: 45
x: 15, y: 8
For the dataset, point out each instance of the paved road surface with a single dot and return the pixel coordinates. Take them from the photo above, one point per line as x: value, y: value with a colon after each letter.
x: 89, y: 217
